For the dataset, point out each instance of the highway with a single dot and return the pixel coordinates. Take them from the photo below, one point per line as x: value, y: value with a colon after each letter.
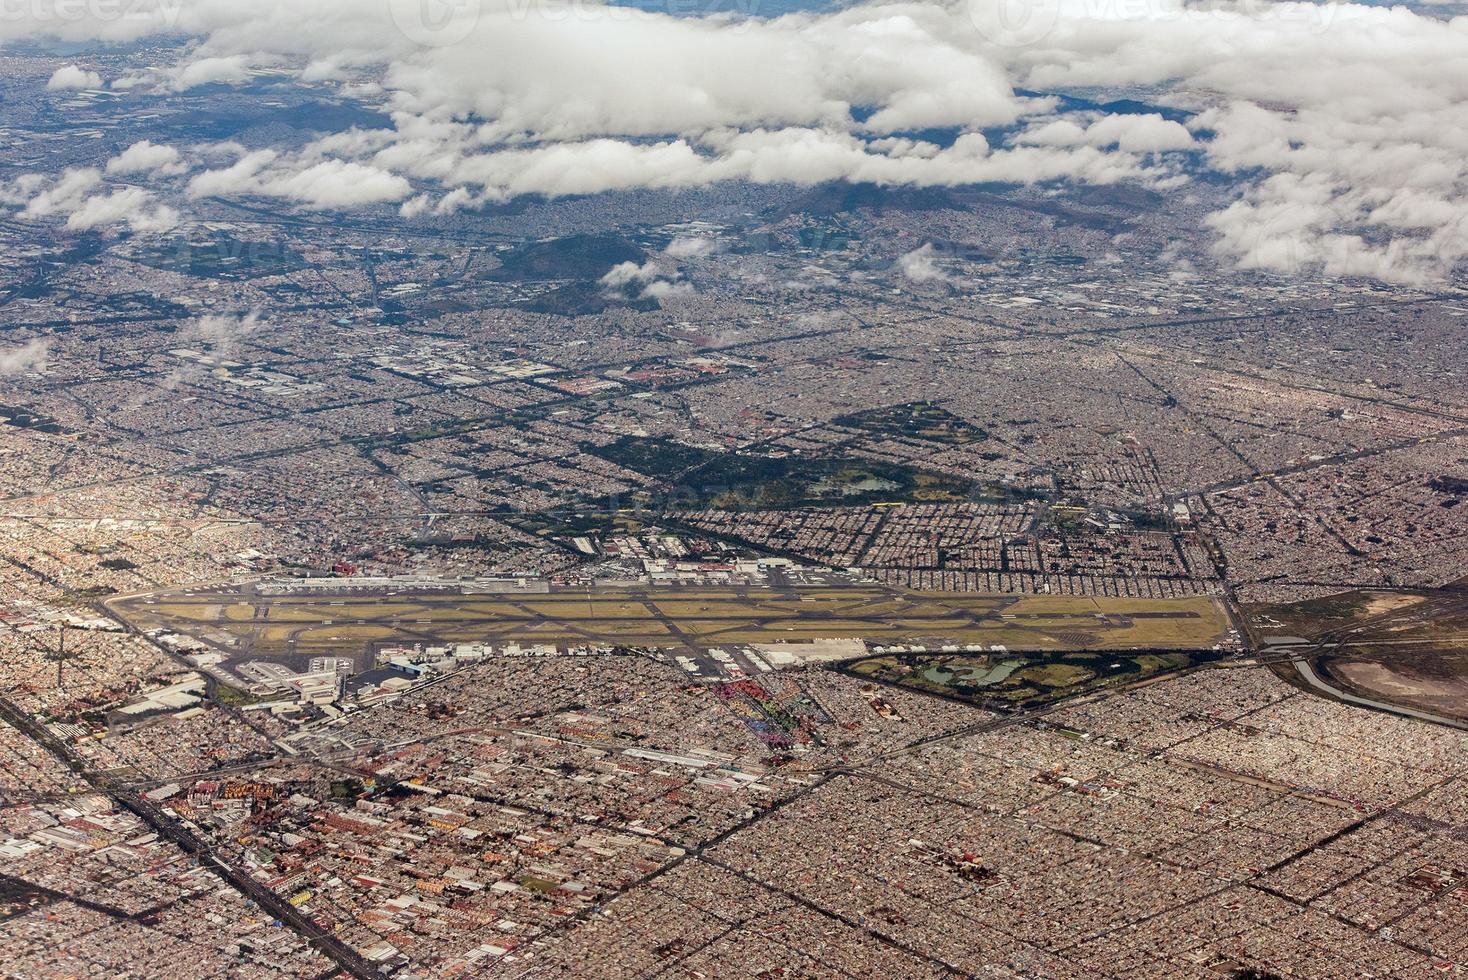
x: 324, y: 942
x: 1310, y: 677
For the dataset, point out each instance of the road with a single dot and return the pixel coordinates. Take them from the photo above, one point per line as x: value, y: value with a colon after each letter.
x: 328, y: 945
x: 1308, y: 674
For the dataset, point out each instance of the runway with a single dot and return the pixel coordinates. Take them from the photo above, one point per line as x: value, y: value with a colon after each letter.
x: 240, y: 621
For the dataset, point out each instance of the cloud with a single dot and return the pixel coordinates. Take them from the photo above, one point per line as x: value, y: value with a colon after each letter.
x: 661, y: 289
x: 1141, y: 133
x: 415, y: 206
x: 72, y: 197
x: 336, y: 184
x: 222, y: 333
x: 64, y: 196
x: 799, y: 156
x: 73, y: 77
x: 20, y: 189
x: 650, y: 280
x: 690, y: 247
x: 240, y: 177
x: 131, y: 206
x: 629, y: 273
x: 920, y: 265
x: 145, y: 157
x: 206, y: 71
x: 1358, y: 106
x: 326, y: 184
x: 30, y: 357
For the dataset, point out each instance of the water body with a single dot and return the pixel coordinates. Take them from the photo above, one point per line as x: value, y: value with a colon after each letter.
x: 948, y: 674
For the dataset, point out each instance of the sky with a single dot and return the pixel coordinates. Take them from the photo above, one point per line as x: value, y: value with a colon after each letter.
x: 1342, y: 128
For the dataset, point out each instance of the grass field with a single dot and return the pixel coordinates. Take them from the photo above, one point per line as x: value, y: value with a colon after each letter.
x: 1003, y: 682
x: 688, y: 617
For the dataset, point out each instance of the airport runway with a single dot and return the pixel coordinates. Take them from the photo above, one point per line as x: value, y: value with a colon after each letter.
x: 241, y: 621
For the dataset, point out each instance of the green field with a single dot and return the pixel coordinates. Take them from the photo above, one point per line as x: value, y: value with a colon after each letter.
x: 704, y: 478
x: 1009, y: 682
x: 916, y: 420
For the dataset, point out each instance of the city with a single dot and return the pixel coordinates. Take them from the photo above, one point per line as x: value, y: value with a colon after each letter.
x: 448, y: 530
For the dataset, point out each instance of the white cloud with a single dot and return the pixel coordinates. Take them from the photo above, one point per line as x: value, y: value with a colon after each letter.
x: 690, y: 247
x: 649, y: 280
x: 131, y: 206
x: 1360, y: 106
x: 66, y: 195
x: 920, y: 265
x: 206, y: 71
x: 337, y: 184
x: 415, y: 206
x: 631, y: 273
x: 145, y: 157
x: 72, y: 196
x: 800, y: 156
x: 19, y: 190
x: 73, y: 77
x: 240, y: 177
x: 1141, y: 133
x: 222, y: 333
x: 326, y: 184
x: 661, y: 289
x: 30, y: 357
